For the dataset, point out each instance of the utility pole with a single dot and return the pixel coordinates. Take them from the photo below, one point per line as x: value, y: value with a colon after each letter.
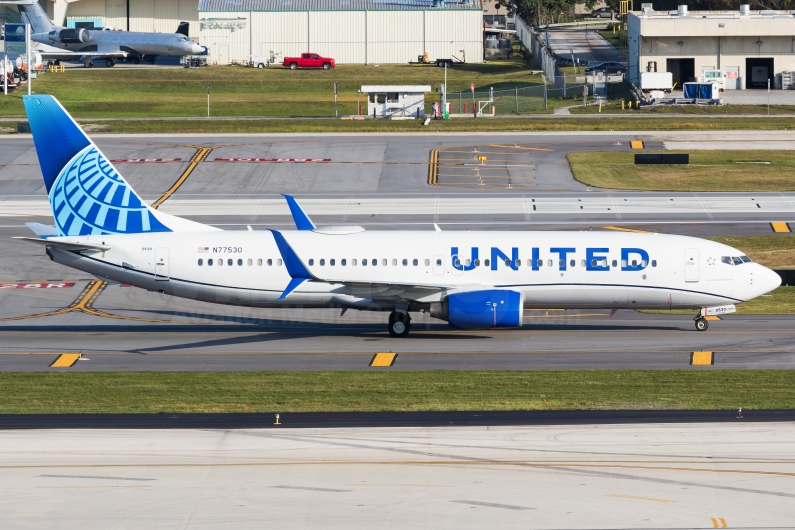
x: 444, y: 93
x: 335, y: 100
x: 27, y: 51
x: 208, y: 100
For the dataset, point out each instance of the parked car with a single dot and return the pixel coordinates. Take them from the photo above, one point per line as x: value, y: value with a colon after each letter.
x: 603, y: 12
x: 309, y: 60
x: 609, y: 67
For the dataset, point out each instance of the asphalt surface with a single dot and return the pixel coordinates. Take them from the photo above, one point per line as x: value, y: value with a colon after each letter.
x: 584, y: 44
x: 327, y: 420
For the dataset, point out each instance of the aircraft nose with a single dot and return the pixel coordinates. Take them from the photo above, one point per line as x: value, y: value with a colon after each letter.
x: 196, y: 49
x: 769, y: 280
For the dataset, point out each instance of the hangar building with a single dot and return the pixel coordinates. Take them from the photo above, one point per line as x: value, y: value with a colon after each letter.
x: 350, y: 31
x: 750, y: 46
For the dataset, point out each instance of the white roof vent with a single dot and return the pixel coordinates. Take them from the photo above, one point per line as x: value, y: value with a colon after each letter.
x: 768, y: 12
x: 745, y: 10
x: 681, y: 11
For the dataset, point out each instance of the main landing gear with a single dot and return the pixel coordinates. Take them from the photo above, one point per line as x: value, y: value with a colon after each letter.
x: 701, y: 323
x: 399, y: 323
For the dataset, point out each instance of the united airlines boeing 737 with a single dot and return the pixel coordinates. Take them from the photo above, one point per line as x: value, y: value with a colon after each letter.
x: 472, y: 280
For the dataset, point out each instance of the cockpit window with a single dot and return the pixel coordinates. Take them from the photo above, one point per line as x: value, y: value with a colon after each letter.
x: 726, y: 259
x: 746, y: 259
x: 737, y: 261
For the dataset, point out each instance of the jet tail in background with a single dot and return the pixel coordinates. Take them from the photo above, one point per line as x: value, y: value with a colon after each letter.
x: 183, y: 28
x: 32, y: 13
x: 87, y: 195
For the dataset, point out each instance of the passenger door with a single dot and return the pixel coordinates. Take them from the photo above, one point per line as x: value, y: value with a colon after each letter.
x: 691, y: 265
x: 162, y: 265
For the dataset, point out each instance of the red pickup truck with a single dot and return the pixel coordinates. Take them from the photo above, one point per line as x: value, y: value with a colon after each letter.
x: 309, y: 60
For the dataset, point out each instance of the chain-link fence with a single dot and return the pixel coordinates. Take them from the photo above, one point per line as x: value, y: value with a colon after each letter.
x: 517, y: 100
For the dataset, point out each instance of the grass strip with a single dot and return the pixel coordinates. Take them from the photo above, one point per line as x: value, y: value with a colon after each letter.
x: 719, y: 170
x: 454, y: 125
x: 126, y: 392
x: 774, y: 252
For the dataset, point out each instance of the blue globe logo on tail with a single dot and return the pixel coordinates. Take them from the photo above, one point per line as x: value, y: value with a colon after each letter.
x: 90, y: 198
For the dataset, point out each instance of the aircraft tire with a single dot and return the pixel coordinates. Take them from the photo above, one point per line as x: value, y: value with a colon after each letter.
x: 399, y: 324
x: 702, y: 324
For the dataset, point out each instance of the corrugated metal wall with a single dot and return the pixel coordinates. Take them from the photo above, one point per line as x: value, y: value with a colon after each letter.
x: 351, y: 36
x: 145, y: 15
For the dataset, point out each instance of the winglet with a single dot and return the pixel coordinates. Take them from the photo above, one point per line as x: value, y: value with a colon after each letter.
x: 302, y: 221
x: 295, y: 267
x: 43, y: 231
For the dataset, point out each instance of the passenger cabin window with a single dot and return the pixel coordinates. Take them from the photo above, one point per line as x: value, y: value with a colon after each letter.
x: 201, y: 262
x: 549, y: 263
x: 394, y: 262
x: 322, y: 263
x: 364, y: 263
x: 229, y: 262
x: 406, y: 263
x: 270, y: 262
x: 250, y: 263
x: 220, y: 262
x: 582, y: 263
x: 415, y: 262
x: 374, y: 262
x: 457, y: 263
x: 240, y: 263
x: 332, y: 262
x: 383, y: 262
x: 427, y: 262
x: 344, y: 262
x: 573, y: 263
x: 615, y: 263
x: 654, y: 263
x: 311, y: 262
x: 438, y: 263
x: 486, y: 262
x: 353, y: 262
x: 278, y: 263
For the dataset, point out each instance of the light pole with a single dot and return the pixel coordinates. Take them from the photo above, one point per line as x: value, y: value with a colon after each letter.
x: 27, y: 52
x: 208, y: 100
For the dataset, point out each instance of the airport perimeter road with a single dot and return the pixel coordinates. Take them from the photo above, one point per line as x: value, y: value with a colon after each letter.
x: 678, y: 476
x: 585, y: 44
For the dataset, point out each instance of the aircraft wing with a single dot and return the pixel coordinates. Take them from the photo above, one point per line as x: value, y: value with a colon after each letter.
x: 64, y: 245
x: 77, y: 55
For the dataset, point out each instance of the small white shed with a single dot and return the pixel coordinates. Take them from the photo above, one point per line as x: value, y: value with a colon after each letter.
x: 387, y: 101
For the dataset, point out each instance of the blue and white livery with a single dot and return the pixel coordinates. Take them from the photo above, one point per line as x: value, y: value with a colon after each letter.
x: 469, y: 279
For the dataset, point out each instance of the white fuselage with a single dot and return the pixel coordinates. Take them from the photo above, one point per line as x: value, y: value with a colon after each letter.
x: 246, y: 268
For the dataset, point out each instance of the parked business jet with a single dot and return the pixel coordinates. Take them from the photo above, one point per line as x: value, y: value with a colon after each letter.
x: 471, y: 279
x: 76, y: 43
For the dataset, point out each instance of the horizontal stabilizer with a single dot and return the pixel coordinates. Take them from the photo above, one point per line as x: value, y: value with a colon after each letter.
x: 63, y: 244
x: 43, y: 231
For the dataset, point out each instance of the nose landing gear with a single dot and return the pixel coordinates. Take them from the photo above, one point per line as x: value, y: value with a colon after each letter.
x: 701, y: 323
x: 399, y: 323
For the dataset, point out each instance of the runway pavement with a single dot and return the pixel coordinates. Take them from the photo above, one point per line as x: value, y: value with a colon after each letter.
x: 576, y: 476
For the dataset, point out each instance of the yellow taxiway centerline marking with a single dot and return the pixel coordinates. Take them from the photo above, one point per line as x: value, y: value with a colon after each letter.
x: 780, y: 227
x: 520, y: 147
x: 622, y: 229
x: 199, y: 156
x: 639, y: 498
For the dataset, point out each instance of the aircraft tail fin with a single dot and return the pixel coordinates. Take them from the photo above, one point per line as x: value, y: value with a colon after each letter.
x: 87, y: 195
x: 183, y: 28
x: 32, y: 13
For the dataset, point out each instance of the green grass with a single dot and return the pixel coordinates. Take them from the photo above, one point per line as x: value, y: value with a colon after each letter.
x: 775, y: 251
x: 779, y: 302
x: 239, y: 91
x: 708, y: 171
x: 453, y: 125
x: 115, y: 392
x: 614, y: 107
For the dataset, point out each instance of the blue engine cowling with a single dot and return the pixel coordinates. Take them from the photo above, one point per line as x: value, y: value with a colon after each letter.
x: 493, y: 308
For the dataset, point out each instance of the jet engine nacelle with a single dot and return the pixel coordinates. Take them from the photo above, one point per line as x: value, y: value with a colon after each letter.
x: 492, y: 308
x: 74, y: 36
